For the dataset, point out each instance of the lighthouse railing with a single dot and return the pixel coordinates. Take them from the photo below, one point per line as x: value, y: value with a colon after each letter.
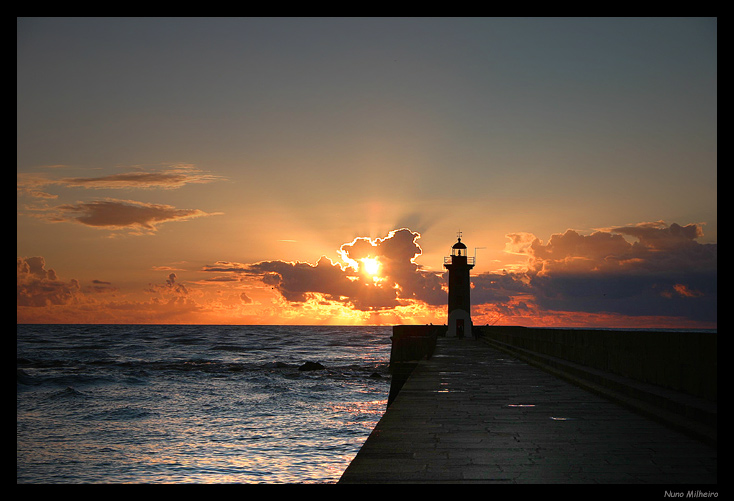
x: 469, y: 259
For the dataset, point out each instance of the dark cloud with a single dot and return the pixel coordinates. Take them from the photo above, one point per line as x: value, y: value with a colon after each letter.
x: 398, y: 281
x: 99, y: 287
x: 650, y: 269
x: 226, y: 267
x: 296, y: 280
x: 123, y: 214
x: 133, y: 216
x: 497, y: 288
x: 663, y: 272
x: 171, y: 286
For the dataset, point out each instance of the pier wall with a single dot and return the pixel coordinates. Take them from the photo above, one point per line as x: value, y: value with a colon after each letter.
x: 682, y: 361
x: 410, y: 344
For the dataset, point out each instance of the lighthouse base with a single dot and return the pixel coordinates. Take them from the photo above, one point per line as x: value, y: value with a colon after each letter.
x: 459, y: 324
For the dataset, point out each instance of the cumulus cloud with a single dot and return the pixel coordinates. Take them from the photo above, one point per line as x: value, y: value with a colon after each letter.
x: 174, y: 286
x: 396, y: 255
x: 663, y: 271
x: 393, y: 280
x: 658, y: 248
x: 37, y: 286
x: 122, y: 214
x: 43, y: 297
x: 170, y: 287
x: 649, y: 269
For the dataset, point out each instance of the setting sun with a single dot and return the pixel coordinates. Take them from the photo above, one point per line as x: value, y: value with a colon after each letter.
x: 371, y: 265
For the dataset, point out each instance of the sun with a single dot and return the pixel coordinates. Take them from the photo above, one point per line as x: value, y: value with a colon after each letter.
x: 370, y: 265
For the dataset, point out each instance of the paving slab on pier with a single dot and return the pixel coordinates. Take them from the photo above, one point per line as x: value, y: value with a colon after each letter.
x: 473, y: 414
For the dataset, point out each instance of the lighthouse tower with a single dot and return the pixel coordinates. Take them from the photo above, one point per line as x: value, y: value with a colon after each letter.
x: 459, y: 264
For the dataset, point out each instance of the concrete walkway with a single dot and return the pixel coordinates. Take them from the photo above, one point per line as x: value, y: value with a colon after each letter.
x: 473, y: 414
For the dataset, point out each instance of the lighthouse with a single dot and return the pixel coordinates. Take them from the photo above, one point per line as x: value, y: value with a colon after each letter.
x: 459, y: 264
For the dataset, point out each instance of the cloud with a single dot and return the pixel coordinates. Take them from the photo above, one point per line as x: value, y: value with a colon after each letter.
x: 648, y: 272
x: 298, y: 281
x: 171, y: 177
x: 643, y: 270
x: 398, y: 282
x: 663, y: 271
x: 37, y: 286
x: 659, y: 249
x: 226, y: 267
x: 30, y: 184
x: 138, y: 217
x: 110, y: 213
x: 498, y: 288
x: 171, y: 284
x: 396, y: 254
x: 169, y: 288
x: 42, y: 297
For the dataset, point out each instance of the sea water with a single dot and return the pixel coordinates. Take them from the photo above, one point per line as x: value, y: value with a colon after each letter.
x: 196, y: 404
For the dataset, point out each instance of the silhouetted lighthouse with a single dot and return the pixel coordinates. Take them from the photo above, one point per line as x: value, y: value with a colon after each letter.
x: 459, y: 264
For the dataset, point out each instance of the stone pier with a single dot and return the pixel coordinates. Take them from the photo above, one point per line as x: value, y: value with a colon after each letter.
x: 474, y: 411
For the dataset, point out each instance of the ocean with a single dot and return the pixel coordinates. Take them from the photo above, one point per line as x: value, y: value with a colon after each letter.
x: 196, y: 404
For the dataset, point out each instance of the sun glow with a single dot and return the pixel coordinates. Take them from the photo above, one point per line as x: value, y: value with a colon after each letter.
x: 371, y: 265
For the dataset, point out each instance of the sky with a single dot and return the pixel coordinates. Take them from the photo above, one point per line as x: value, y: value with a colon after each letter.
x: 318, y: 170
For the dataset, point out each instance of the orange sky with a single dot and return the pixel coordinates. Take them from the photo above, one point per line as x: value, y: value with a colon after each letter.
x: 247, y: 170
x: 577, y: 280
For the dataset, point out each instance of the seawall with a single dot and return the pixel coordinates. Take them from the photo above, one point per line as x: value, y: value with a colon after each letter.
x: 680, y: 361
x: 670, y: 377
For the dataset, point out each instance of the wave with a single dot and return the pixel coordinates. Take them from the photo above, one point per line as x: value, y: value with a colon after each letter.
x: 79, y: 373
x: 235, y: 348
x: 22, y: 377
x: 124, y: 414
x: 240, y: 386
x: 68, y: 392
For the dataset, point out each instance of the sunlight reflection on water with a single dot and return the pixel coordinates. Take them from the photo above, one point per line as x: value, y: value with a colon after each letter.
x: 200, y: 410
